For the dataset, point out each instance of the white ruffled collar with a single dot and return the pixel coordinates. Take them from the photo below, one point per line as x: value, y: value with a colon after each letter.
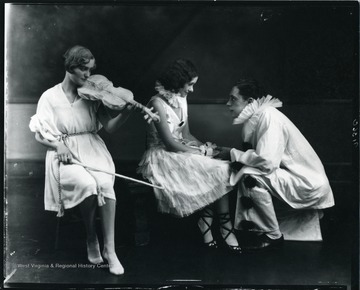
x: 172, y: 98
x: 255, y: 107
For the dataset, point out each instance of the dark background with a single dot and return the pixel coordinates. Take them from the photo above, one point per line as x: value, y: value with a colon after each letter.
x: 304, y: 53
x: 298, y: 51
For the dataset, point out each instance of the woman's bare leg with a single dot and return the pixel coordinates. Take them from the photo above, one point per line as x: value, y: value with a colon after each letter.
x: 107, y: 213
x: 225, y: 222
x: 88, y: 211
x: 204, y: 223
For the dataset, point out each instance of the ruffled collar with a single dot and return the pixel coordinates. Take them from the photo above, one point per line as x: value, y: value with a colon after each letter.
x: 255, y: 107
x: 172, y: 98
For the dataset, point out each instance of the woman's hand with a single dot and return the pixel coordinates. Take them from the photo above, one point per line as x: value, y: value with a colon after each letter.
x: 150, y: 116
x: 207, y: 149
x: 63, y: 153
x: 197, y: 151
x: 133, y: 106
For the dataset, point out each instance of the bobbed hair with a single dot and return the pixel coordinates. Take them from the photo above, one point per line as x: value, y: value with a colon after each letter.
x: 249, y: 88
x: 77, y: 56
x: 177, y: 74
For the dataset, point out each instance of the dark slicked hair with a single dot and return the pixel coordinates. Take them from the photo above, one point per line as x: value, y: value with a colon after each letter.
x: 177, y: 74
x: 249, y: 88
x: 77, y: 56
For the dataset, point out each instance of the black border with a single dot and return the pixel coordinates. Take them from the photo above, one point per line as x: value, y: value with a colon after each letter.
x: 354, y: 139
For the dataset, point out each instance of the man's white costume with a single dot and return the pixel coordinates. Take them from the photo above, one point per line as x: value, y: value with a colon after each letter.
x: 281, y: 164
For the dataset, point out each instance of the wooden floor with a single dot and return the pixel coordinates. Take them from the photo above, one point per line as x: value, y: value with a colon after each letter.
x: 173, y: 256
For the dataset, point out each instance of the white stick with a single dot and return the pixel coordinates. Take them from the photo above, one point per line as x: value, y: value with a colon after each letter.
x: 118, y: 175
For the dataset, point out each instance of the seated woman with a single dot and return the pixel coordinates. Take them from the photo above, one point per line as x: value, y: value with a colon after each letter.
x: 192, y: 179
x: 68, y: 125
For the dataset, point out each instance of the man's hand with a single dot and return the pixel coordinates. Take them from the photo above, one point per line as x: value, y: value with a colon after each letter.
x: 223, y: 153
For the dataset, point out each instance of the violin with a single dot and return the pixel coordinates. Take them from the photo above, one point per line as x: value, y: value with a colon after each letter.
x: 98, y: 87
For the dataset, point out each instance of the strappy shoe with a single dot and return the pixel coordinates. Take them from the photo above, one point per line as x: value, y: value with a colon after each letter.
x: 224, y: 218
x: 115, y: 266
x: 93, y: 253
x: 207, y: 213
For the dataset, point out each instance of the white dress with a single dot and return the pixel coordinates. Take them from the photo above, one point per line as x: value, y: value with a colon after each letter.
x: 190, y: 181
x: 67, y: 185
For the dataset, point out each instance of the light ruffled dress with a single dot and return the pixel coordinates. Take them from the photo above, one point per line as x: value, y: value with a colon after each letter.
x: 76, y: 124
x: 190, y: 181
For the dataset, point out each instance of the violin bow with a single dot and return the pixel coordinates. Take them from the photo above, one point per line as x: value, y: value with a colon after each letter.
x: 117, y: 175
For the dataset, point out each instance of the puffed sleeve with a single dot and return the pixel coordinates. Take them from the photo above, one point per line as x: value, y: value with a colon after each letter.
x: 43, y: 121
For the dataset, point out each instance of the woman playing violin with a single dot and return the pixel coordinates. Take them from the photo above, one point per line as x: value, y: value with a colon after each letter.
x: 68, y: 125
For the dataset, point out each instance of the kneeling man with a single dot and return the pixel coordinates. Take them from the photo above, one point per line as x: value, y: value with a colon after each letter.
x: 278, y: 167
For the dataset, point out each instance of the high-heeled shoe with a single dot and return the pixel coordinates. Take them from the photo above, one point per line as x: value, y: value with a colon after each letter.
x: 93, y: 253
x: 115, y: 266
x: 207, y: 213
x: 224, y: 218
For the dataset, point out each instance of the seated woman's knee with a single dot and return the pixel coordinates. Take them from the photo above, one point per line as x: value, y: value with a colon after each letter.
x: 87, y: 184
